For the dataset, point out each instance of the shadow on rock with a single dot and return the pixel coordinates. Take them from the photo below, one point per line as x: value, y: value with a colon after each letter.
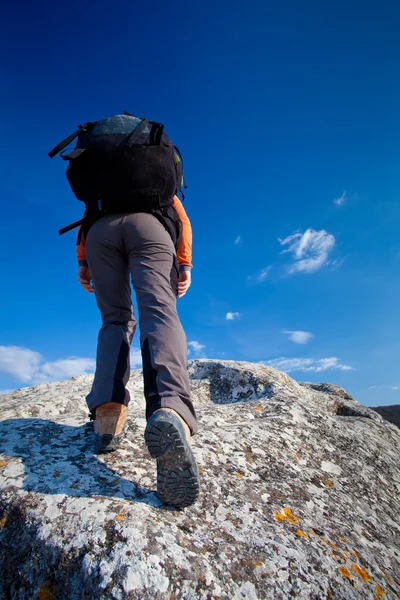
x: 60, y: 459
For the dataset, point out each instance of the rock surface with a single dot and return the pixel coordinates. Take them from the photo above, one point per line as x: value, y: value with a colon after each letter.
x: 300, y: 496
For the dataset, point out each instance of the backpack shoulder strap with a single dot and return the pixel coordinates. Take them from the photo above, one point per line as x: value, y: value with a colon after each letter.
x: 156, y: 134
x: 136, y: 133
x: 183, y: 186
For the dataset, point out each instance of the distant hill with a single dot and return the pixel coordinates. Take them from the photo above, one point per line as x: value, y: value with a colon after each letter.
x: 390, y: 413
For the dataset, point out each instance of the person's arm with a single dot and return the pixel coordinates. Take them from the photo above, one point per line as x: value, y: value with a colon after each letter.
x: 84, y: 275
x: 184, y: 252
x: 81, y: 247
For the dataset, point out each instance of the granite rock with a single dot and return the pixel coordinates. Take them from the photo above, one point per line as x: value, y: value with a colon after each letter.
x: 300, y: 496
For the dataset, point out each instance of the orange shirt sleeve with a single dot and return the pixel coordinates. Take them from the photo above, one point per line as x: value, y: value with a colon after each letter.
x: 81, y: 248
x: 184, y: 253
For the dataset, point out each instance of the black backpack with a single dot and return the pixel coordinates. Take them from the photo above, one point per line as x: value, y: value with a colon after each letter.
x: 124, y: 164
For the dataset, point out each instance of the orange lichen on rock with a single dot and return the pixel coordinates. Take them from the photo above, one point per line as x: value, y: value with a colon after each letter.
x: 255, y: 563
x: 328, y: 543
x: 258, y: 407
x: 3, y: 522
x: 379, y: 592
x: 238, y: 474
x: 345, y: 572
x: 44, y: 593
x: 301, y: 533
x: 201, y: 470
x: 3, y: 463
x: 388, y: 578
x: 327, y: 483
x: 338, y: 555
x: 361, y: 572
x: 120, y: 517
x: 286, y: 515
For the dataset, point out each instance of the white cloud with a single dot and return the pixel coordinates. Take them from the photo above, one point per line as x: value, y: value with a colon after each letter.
x: 65, y: 368
x: 384, y: 387
x: 310, y: 250
x: 136, y: 358
x: 263, y: 273
x: 230, y: 316
x: 308, y: 364
x: 195, y: 347
x: 334, y: 265
x: 340, y: 201
x: 332, y: 363
x: 19, y: 363
x: 238, y: 240
x: 299, y: 337
x: 28, y: 366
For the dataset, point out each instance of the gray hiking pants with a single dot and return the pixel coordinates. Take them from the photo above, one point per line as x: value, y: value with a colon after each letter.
x: 138, y: 244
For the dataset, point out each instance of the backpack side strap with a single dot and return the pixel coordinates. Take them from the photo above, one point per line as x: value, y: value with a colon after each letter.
x: 72, y: 226
x: 67, y: 140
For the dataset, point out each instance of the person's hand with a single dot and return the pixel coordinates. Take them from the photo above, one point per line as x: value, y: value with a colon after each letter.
x: 184, y: 281
x: 84, y: 278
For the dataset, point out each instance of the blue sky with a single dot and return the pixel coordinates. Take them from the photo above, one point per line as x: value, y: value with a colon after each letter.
x: 288, y: 120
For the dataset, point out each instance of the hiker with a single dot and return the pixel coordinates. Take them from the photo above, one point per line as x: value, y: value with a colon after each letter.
x: 135, y: 226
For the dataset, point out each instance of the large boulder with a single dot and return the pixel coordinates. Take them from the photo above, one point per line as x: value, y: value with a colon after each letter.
x: 300, y: 496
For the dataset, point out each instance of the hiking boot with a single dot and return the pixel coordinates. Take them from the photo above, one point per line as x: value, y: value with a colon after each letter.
x: 167, y: 437
x: 109, y: 426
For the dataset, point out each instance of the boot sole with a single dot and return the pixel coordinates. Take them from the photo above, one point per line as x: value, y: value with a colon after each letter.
x: 177, y: 473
